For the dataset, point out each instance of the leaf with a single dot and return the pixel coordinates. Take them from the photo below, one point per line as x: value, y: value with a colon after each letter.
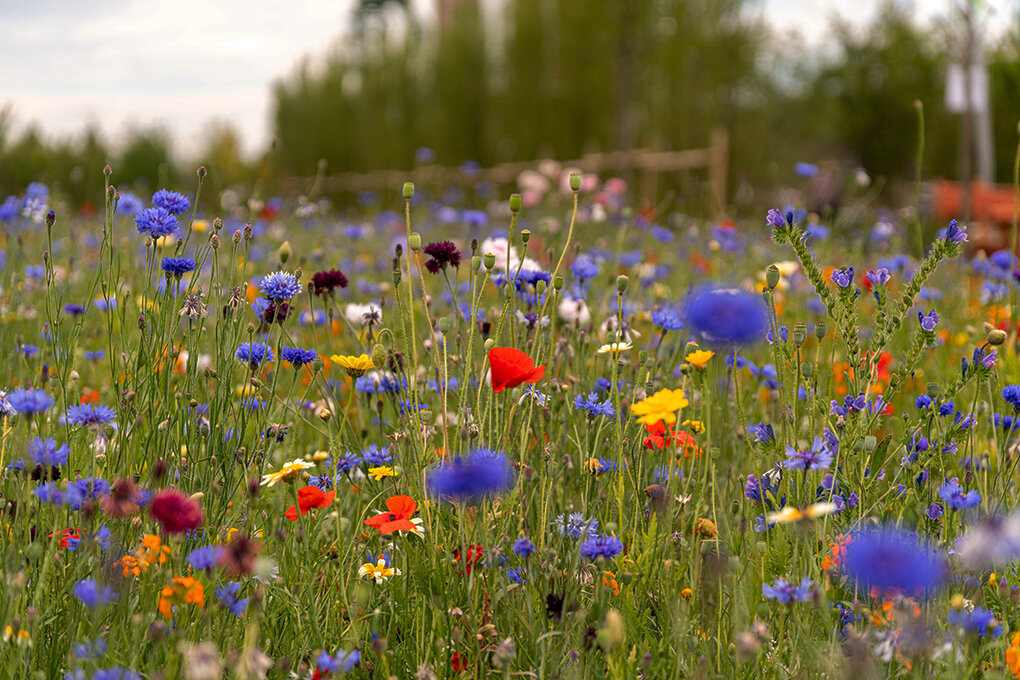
x: 877, y: 458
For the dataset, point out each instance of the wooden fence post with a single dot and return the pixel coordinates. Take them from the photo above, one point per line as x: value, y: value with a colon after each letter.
x: 718, y: 157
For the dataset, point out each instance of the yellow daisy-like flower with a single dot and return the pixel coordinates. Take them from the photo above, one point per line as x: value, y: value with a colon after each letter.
x: 614, y: 348
x: 292, y: 468
x: 660, y: 407
x: 356, y: 366
x: 792, y: 514
x: 695, y: 426
x: 699, y: 358
x: 378, y: 571
x: 377, y: 473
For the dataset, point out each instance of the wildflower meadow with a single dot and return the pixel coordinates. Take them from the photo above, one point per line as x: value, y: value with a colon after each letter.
x: 539, y: 435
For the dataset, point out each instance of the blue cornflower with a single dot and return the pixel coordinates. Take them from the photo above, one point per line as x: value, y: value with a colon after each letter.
x: 1011, y: 393
x: 593, y: 406
x: 954, y: 233
x: 890, y: 559
x: 947, y: 408
x: 298, y: 357
x: 171, y: 201
x: 787, y: 593
x: 472, y: 478
x: 86, y: 488
x: 47, y: 452
x: 205, y: 557
x: 934, y: 511
x: 923, y: 401
x: 114, y: 673
x: 977, y: 620
x: 29, y: 401
x: 177, y: 266
x: 878, y: 277
x: 91, y: 649
x: 843, y: 278
x: 49, y: 493
x: 818, y: 457
x: 156, y: 222
x: 584, y: 268
x: 725, y: 316
x: 227, y: 594
x: 340, y: 662
x: 956, y: 498
x: 255, y: 354
x: 602, y: 546
x: 90, y: 415
x: 516, y: 575
x: 928, y: 321
x: 91, y: 594
x: 805, y: 169
x: 757, y: 489
x: 523, y: 547
x: 129, y: 204
x: 279, y: 286
x: 373, y: 455
x: 763, y: 432
x: 667, y: 319
x: 575, y: 525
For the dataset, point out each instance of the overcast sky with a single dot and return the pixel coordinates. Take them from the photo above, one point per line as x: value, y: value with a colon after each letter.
x: 181, y: 64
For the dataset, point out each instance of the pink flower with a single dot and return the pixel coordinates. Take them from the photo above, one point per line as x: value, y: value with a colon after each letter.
x: 175, y: 511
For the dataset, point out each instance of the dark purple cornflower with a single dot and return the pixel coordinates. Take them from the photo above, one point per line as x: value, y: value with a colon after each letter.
x: 441, y: 254
x: 878, y: 277
x: 928, y: 321
x: 326, y: 282
x: 843, y: 278
x: 276, y: 312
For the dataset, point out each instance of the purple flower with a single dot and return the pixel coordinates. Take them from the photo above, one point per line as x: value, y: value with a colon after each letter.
x: 171, y: 201
x: 843, y: 278
x: 91, y: 594
x: 298, y: 357
x: 934, y: 511
x: 818, y: 457
x: 955, y: 233
x: 978, y: 620
x: 156, y: 222
x: 775, y: 219
x: 787, y: 593
x: 1011, y: 393
x: 956, y: 498
x: 878, y: 277
x: 523, y: 547
x: 603, y: 546
x: 928, y: 321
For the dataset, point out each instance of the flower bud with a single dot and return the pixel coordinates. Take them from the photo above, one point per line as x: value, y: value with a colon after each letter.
x: 217, y: 224
x: 414, y: 241
x: 621, y: 283
x: 378, y: 354
x: 214, y: 241
x: 325, y: 414
x: 408, y: 191
x: 515, y: 202
x: 237, y: 236
x: 772, y: 276
x: 525, y: 235
x: 807, y: 369
x: 558, y: 282
x: 284, y: 252
x: 575, y: 181
x: 489, y: 344
x: 996, y: 336
x: 51, y: 217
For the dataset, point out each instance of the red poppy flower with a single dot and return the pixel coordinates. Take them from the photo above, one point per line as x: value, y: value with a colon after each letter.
x: 512, y: 367
x: 458, y: 662
x: 398, y: 518
x: 67, y: 535
x: 659, y: 437
x: 472, y: 556
x: 309, y: 497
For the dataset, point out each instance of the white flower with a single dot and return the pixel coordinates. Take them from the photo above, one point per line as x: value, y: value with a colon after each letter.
x: 574, y: 311
x: 499, y: 247
x: 362, y: 315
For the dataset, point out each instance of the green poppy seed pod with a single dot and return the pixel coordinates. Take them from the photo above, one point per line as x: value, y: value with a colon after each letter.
x: 772, y: 276
x: 642, y: 356
x: 558, y: 282
x: 525, y: 235
x: 996, y: 336
x: 575, y: 181
x: 489, y: 344
x: 932, y: 389
x: 443, y: 324
x: 414, y: 241
x: 540, y: 286
x: 621, y: 283
x: 870, y: 442
x: 396, y: 277
x: 515, y: 202
x: 799, y: 334
x: 285, y: 252
x: 378, y: 354
x: 807, y: 369
x: 317, y: 364
x: 408, y: 191
x: 426, y: 414
x: 508, y: 291
x: 821, y: 328
x: 476, y: 263
x: 489, y: 260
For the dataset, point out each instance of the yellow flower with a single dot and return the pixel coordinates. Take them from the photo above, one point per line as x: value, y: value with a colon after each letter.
x: 183, y: 589
x: 356, y: 366
x: 699, y: 358
x: 686, y: 593
x: 792, y: 514
x: 200, y: 226
x: 292, y: 468
x: 696, y: 426
x: 19, y: 636
x: 614, y: 348
x: 377, y: 473
x: 379, y: 571
x: 660, y: 407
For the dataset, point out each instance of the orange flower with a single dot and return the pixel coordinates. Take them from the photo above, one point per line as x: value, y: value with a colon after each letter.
x: 90, y: 396
x: 309, y: 497
x: 151, y: 552
x: 609, y: 581
x: 1013, y: 655
x: 398, y: 518
x: 183, y: 589
x: 837, y: 553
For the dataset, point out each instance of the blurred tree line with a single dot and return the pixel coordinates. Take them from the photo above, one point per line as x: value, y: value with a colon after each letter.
x: 558, y: 78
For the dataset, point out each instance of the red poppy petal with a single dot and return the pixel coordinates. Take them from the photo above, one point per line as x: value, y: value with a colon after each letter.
x: 401, y: 505
x: 291, y: 513
x: 327, y: 499
x: 398, y: 525
x: 310, y: 497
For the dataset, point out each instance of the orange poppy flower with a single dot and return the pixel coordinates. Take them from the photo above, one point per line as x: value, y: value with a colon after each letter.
x: 512, y: 367
x: 398, y: 518
x: 309, y: 497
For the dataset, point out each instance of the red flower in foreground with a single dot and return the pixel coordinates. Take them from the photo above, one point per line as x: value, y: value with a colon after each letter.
x: 660, y: 437
x: 309, y: 497
x: 398, y: 518
x: 175, y: 511
x: 512, y: 367
x: 458, y: 663
x: 472, y: 556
